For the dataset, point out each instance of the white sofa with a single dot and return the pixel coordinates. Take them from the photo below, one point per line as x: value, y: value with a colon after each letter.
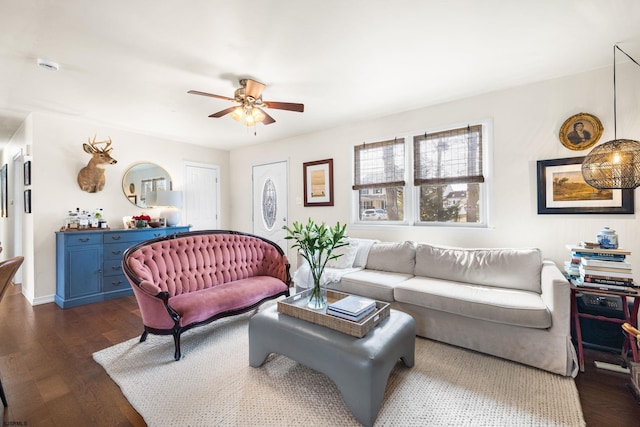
x: 508, y: 303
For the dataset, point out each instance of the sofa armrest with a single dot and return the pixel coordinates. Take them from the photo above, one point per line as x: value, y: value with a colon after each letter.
x: 150, y: 288
x: 154, y: 291
x: 556, y: 294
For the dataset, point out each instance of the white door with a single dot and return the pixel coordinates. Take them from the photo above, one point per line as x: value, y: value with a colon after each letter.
x: 270, y: 195
x: 201, y: 196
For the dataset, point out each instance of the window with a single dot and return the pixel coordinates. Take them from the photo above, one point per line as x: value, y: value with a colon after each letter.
x: 448, y: 175
x: 379, y: 180
x: 448, y: 185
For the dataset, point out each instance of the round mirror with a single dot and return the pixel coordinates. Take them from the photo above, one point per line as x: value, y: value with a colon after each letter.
x: 142, y: 180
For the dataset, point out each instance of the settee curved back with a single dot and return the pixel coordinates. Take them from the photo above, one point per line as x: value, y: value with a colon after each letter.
x: 197, y: 260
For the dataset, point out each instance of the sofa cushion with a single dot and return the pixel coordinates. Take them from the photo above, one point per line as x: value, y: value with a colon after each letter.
x: 394, y: 257
x: 505, y: 268
x: 495, y: 304
x: 374, y: 284
x: 201, y: 305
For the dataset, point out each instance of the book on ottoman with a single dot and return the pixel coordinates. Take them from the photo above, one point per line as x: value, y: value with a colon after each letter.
x: 352, y: 307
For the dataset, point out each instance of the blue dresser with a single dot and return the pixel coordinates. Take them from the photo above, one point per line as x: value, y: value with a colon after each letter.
x: 88, y: 263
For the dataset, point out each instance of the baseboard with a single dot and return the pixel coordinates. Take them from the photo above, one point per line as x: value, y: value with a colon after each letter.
x: 611, y: 367
x: 41, y: 300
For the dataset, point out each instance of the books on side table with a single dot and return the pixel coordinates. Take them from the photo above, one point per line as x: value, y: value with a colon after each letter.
x: 598, y: 268
x: 352, y: 307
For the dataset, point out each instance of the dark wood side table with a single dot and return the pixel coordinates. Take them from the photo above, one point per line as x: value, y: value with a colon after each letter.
x: 629, y: 317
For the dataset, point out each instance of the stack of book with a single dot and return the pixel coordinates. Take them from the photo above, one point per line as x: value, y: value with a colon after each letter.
x: 352, y: 307
x: 601, y: 268
x: 572, y: 267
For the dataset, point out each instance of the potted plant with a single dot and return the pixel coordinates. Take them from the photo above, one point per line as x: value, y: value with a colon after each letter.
x: 315, y: 244
x: 141, y: 221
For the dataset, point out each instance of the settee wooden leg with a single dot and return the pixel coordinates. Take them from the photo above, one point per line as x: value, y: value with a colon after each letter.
x: 176, y: 340
x: 143, y: 337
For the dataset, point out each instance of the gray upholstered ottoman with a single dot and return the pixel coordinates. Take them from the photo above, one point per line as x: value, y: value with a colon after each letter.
x: 359, y: 367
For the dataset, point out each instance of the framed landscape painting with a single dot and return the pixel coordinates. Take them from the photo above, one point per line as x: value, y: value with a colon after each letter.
x: 563, y: 190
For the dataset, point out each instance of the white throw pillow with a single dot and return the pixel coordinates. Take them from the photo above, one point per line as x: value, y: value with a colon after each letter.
x: 395, y: 257
x: 348, y: 253
x: 364, y: 245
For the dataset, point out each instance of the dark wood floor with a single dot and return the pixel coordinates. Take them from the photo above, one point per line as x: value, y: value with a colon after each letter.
x: 51, y: 379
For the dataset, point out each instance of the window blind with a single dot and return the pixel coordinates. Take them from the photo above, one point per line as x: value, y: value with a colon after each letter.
x: 379, y: 164
x: 448, y: 157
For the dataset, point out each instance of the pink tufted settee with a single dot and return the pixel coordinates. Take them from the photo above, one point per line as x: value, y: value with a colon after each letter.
x: 190, y: 279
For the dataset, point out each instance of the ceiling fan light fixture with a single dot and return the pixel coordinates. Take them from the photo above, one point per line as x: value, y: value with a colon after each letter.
x: 249, y: 111
x: 248, y: 116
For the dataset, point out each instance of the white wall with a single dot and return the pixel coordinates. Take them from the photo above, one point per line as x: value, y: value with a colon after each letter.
x: 526, y: 122
x: 58, y: 157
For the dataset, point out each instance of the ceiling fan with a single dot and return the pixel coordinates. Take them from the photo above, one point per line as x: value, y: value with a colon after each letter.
x: 250, y: 111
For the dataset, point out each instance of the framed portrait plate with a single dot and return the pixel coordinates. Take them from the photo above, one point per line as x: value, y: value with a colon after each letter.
x: 563, y: 190
x: 580, y: 131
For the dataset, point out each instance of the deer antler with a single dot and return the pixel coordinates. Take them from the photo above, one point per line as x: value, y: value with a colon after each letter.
x: 94, y: 143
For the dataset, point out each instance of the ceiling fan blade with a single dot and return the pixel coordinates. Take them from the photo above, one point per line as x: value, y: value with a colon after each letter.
x: 223, y: 112
x: 267, y: 118
x: 197, y: 92
x: 254, y: 88
x: 284, y: 106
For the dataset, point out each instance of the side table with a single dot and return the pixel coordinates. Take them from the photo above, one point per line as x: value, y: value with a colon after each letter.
x: 629, y: 317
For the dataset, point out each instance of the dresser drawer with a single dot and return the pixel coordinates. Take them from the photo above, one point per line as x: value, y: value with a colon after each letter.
x: 133, y: 235
x: 111, y: 267
x: 115, y: 250
x: 115, y: 283
x: 77, y: 238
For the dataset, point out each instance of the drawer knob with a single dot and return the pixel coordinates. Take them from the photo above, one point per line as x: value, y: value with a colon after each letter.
x: 115, y: 267
x: 116, y: 252
x: 116, y: 237
x: 84, y: 239
x: 118, y: 283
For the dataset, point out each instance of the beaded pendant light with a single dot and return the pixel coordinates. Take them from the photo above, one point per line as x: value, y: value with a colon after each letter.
x: 614, y: 164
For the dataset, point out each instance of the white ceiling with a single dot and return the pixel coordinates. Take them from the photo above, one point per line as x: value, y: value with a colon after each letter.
x: 129, y: 64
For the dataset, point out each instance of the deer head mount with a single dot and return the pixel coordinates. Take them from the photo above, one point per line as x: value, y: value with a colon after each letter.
x: 91, y: 177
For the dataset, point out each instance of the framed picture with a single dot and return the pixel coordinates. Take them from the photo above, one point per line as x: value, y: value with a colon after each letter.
x: 563, y: 190
x: 133, y: 198
x: 580, y: 131
x: 27, y: 201
x: 318, y: 183
x: 27, y: 172
x: 4, y: 202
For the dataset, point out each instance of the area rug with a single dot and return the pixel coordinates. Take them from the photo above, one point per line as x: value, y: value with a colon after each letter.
x: 213, y: 385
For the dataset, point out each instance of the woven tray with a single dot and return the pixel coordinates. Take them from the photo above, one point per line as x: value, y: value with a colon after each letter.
x: 296, y: 306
